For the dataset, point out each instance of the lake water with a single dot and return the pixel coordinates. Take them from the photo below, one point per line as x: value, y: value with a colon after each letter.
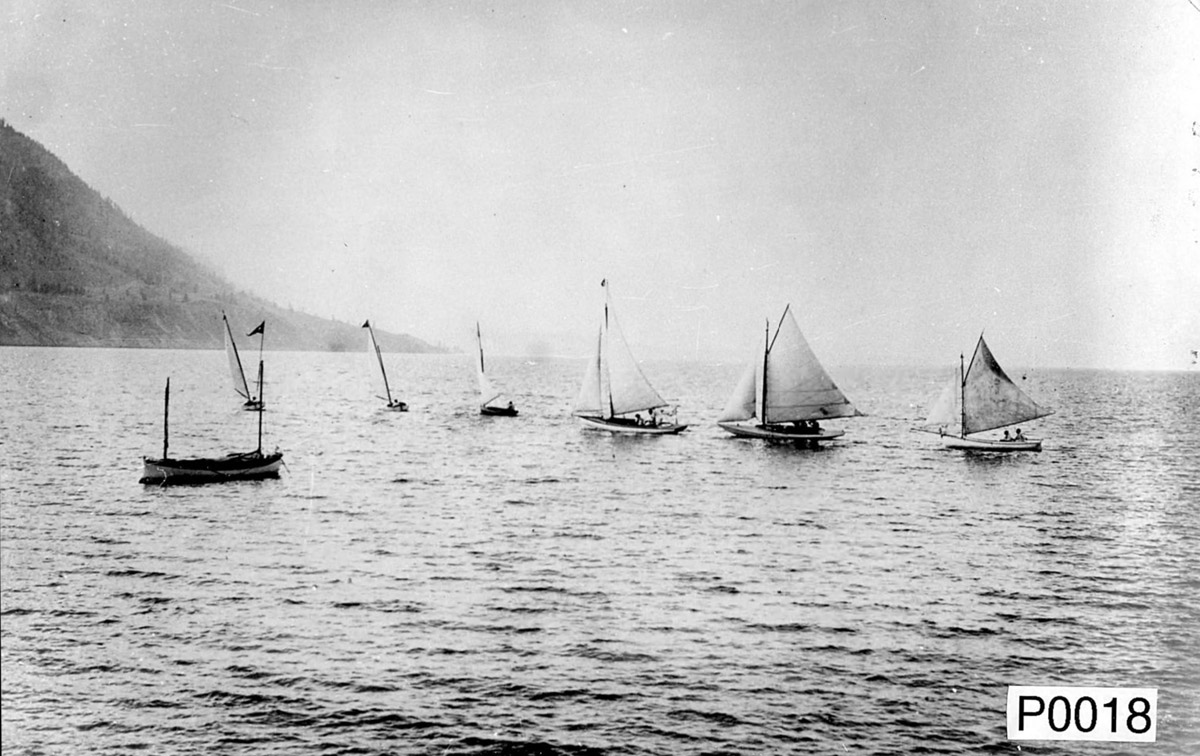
x: 436, y: 582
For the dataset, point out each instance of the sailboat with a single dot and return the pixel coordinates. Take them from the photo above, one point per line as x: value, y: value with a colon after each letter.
x: 253, y: 465
x: 784, y: 392
x: 488, y: 393
x: 376, y: 356
x: 240, y: 385
x: 615, y: 391
x: 980, y: 397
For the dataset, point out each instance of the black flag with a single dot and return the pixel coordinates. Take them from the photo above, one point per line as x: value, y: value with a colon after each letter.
x: 258, y: 329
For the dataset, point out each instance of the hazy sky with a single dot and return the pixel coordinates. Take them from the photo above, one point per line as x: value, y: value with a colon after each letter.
x: 906, y: 175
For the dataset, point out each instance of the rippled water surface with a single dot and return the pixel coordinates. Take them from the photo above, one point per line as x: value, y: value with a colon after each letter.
x: 439, y: 582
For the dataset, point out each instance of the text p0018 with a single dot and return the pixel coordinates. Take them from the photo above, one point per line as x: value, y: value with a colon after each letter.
x: 1057, y: 712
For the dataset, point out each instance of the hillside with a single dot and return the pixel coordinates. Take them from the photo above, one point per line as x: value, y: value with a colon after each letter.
x: 76, y: 271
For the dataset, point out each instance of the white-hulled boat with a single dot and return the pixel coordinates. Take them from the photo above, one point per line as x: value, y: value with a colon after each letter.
x: 615, y: 391
x: 784, y: 392
x: 376, y: 357
x: 979, y: 398
x: 240, y: 384
x: 252, y: 465
x: 488, y: 393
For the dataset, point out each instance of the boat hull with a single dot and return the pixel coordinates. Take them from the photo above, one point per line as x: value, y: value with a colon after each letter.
x: 247, y: 466
x: 780, y: 434
x: 990, y: 445
x: 621, y: 425
x: 498, y: 411
x: 396, y: 406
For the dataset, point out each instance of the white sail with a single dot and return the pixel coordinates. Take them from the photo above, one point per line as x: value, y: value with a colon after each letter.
x: 946, y: 412
x: 376, y: 359
x: 613, y: 382
x: 588, y: 402
x: 990, y: 399
x: 235, y: 363
x: 628, y: 388
x: 743, y: 403
x: 487, y: 391
x: 796, y: 386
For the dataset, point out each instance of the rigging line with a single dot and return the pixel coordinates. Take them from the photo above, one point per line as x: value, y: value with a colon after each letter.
x: 779, y: 327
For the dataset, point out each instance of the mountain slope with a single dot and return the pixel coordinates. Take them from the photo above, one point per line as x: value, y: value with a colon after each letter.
x: 76, y: 271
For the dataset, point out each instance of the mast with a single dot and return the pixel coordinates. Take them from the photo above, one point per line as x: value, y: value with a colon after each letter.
x: 605, y: 385
x: 374, y: 345
x: 166, y: 414
x: 261, y: 405
x: 379, y: 356
x: 766, y: 351
x: 479, y: 342
x: 262, y: 336
x: 612, y: 410
x: 962, y: 399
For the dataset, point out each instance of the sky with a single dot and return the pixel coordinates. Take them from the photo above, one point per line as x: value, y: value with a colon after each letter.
x: 905, y: 175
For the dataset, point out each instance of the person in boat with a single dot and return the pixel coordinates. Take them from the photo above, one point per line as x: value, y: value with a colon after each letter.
x: 1020, y: 436
x: 510, y: 406
x: 1006, y: 437
x: 638, y: 418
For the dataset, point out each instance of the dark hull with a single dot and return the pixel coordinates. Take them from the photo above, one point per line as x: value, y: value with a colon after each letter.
x: 247, y: 466
x: 498, y: 411
x: 623, y: 425
x: 780, y: 433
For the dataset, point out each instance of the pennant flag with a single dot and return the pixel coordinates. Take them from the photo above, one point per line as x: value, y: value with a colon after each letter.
x: 366, y: 324
x: 258, y: 329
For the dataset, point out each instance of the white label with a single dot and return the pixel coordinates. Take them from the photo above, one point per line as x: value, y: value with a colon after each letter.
x: 1058, y: 712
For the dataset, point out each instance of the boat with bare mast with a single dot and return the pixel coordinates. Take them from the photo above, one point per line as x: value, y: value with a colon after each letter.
x: 784, y: 393
x: 980, y: 397
x: 252, y: 465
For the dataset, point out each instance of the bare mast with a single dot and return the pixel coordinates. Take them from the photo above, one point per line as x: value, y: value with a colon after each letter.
x: 261, y: 405
x: 166, y: 415
x: 962, y: 396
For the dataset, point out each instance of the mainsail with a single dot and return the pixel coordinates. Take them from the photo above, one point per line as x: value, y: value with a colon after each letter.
x: 376, y: 357
x: 487, y: 391
x: 787, y: 384
x: 613, y: 383
x: 982, y: 397
x: 990, y: 399
x: 235, y: 364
